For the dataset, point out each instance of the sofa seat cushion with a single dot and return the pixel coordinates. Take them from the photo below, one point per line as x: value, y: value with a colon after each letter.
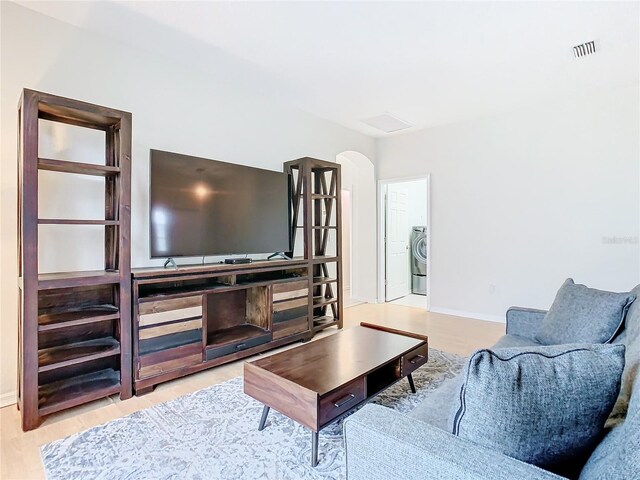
x: 439, y: 406
x: 583, y: 315
x: 509, y: 341
x: 544, y: 405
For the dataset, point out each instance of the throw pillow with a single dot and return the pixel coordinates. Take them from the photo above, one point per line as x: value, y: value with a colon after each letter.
x: 543, y: 405
x: 583, y: 315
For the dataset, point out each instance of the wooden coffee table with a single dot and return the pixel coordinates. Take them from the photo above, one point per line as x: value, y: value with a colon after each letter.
x: 317, y: 383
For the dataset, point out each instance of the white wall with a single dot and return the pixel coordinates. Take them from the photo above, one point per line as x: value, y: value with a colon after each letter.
x: 523, y: 200
x: 175, y: 108
x: 346, y: 239
x: 417, y: 194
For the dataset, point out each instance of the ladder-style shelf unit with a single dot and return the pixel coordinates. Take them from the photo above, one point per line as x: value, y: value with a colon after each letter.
x: 316, y: 224
x: 74, y: 327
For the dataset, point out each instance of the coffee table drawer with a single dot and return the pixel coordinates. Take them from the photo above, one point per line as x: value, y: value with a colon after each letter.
x: 340, y: 401
x: 414, y: 359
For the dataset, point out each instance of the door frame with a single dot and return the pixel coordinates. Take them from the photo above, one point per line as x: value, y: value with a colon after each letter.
x: 382, y: 266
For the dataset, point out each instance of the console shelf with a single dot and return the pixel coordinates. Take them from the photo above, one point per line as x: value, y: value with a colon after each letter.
x: 324, y: 321
x: 65, y: 221
x: 69, y: 354
x: 321, y: 301
x: 69, y: 392
x: 166, y: 292
x: 234, y: 334
x: 48, y: 281
x: 322, y: 280
x: 76, y: 317
x: 77, y: 167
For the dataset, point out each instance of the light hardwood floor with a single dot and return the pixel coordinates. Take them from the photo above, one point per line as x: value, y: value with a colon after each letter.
x: 19, y: 451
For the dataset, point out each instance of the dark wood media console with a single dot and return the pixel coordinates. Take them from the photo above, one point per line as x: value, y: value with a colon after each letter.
x: 192, y: 318
x: 86, y: 335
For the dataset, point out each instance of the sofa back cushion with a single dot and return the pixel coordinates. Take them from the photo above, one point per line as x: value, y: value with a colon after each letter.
x: 630, y: 337
x: 580, y: 314
x: 618, y: 455
x: 543, y: 405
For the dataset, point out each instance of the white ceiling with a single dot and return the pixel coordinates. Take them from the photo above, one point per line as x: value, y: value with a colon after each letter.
x: 429, y: 63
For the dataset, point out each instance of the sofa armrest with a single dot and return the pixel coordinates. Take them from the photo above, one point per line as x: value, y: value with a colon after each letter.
x: 382, y: 444
x: 524, y: 322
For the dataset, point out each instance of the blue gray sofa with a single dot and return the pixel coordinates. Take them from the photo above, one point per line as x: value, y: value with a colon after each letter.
x: 382, y: 444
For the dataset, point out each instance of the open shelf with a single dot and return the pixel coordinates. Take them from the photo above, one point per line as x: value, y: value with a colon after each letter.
x: 75, y: 317
x: 233, y: 334
x: 228, y: 341
x: 322, y: 301
x: 48, y: 281
x: 82, y: 114
x: 69, y: 354
x: 149, y: 294
x: 323, y: 321
x: 320, y: 323
x: 183, y: 290
x: 323, y: 280
x: 324, y: 259
x: 69, y: 392
x: 383, y: 377
x: 316, y: 196
x: 76, y: 167
x: 66, y: 221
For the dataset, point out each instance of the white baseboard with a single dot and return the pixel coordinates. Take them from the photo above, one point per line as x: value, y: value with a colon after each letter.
x: 8, y: 398
x: 363, y: 300
x: 477, y: 316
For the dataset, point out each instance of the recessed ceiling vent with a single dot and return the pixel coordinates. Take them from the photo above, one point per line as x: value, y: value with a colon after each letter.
x: 387, y: 123
x: 584, y: 49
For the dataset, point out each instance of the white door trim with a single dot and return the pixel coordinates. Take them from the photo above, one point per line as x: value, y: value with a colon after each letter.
x: 382, y: 186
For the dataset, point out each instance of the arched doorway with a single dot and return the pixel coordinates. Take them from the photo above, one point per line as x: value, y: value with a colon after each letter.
x: 359, y: 227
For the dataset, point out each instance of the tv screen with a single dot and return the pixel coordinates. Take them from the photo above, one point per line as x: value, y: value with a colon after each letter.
x: 205, y: 207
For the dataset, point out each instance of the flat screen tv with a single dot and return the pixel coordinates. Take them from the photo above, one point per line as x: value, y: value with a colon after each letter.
x: 204, y: 207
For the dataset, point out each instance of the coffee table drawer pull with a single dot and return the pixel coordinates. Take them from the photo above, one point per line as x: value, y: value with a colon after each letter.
x: 241, y: 345
x: 416, y: 359
x: 343, y: 401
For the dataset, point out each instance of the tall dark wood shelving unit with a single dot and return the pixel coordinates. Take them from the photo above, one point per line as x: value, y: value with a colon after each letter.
x: 316, y: 207
x: 74, y: 327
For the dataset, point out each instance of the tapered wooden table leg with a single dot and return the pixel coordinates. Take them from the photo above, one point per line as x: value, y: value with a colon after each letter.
x: 263, y: 419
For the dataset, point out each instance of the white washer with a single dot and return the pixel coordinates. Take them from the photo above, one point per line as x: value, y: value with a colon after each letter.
x: 419, y: 260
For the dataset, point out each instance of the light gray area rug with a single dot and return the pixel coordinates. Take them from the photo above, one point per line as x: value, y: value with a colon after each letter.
x: 212, y: 434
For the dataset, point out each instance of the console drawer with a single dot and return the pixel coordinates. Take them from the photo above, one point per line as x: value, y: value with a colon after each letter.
x: 414, y: 359
x: 340, y: 401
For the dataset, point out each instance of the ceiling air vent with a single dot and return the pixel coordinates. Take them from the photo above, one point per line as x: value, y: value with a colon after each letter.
x: 387, y: 123
x: 584, y: 49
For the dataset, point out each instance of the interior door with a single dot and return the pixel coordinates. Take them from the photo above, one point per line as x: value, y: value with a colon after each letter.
x: 397, y: 242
